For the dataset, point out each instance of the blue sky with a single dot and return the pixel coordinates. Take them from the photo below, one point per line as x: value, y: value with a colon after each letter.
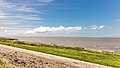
x: 84, y: 18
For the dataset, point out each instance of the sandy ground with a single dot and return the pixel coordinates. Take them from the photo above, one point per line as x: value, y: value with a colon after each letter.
x: 21, y: 58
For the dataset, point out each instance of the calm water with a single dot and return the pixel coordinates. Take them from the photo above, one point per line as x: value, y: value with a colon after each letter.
x: 94, y: 43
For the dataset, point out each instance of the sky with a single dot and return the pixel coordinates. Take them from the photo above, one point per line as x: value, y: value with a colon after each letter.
x: 78, y: 18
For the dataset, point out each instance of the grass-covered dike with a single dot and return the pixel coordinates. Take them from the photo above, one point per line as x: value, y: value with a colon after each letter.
x: 95, y: 56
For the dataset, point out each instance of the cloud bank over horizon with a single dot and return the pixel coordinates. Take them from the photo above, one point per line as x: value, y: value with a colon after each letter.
x: 63, y: 29
x: 94, y: 27
x: 60, y: 29
x: 51, y: 30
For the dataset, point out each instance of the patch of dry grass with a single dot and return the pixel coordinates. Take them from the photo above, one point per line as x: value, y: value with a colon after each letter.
x: 4, y: 64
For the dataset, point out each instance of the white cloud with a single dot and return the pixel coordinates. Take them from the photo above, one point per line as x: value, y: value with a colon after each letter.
x: 45, y: 0
x: 94, y: 27
x: 10, y: 23
x: 46, y: 30
x: 12, y: 30
x: 20, y: 17
x: 60, y: 29
x: 2, y: 13
x: 27, y: 9
x: 14, y: 13
x: 19, y: 10
x: 3, y: 27
x: 101, y: 27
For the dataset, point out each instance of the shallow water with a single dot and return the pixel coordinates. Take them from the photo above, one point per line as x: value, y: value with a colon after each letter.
x: 94, y: 43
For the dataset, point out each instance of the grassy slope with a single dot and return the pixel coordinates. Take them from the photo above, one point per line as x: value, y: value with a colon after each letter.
x: 94, y: 56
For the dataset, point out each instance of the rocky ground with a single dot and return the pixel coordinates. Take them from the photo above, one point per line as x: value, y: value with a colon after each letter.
x: 25, y: 60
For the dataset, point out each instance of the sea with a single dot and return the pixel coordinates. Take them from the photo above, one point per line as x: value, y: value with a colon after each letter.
x: 112, y: 44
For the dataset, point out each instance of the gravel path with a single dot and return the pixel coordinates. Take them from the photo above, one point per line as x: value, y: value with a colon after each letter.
x: 21, y: 58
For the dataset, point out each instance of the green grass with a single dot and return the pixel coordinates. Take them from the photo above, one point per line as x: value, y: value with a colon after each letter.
x: 94, y: 56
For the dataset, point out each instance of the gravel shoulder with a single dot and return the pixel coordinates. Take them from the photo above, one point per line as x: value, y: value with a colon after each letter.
x: 21, y: 58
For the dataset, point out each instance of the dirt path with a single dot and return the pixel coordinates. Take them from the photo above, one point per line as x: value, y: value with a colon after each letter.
x: 21, y: 58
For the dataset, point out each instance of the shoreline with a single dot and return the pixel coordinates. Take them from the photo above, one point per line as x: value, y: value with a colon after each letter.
x: 99, y: 50
x: 78, y: 53
x: 98, y: 45
x: 111, y: 44
x: 67, y: 45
